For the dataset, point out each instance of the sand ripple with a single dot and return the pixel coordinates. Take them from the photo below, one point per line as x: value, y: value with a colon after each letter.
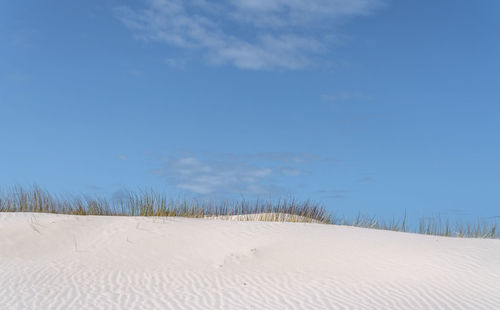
x: 70, y: 262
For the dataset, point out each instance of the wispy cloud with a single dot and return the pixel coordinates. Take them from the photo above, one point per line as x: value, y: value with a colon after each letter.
x: 290, y: 171
x: 279, y: 157
x: 363, y: 118
x: 334, y: 194
x: 367, y: 180
x: 261, y: 174
x: 174, y: 63
x: 258, y: 34
x: 345, y: 96
x: 208, y: 177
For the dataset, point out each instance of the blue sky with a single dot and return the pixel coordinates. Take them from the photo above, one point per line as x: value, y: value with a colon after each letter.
x: 377, y: 106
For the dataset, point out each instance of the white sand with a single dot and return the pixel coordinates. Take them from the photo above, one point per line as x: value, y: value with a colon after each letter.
x: 73, y: 262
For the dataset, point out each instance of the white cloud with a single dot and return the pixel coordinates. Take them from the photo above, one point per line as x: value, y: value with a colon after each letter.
x: 345, y: 96
x: 227, y: 174
x: 208, y: 177
x: 250, y: 34
x: 291, y: 171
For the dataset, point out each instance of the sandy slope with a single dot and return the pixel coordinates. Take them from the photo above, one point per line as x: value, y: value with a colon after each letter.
x: 71, y: 262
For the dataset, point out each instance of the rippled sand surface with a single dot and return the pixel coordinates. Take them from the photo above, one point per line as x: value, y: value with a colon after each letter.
x: 73, y: 262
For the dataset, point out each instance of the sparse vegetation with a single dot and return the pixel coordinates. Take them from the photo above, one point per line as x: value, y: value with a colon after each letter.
x: 148, y: 203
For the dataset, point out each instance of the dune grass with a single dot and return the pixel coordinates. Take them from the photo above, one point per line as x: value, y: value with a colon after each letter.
x: 149, y: 203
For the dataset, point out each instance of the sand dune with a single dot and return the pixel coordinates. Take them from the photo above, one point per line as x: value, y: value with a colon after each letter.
x: 74, y: 262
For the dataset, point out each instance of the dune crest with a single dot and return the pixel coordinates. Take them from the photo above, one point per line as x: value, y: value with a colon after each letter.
x: 50, y: 261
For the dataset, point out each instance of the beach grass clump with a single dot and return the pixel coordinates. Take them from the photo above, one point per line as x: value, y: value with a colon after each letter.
x: 434, y: 226
x: 438, y: 227
x: 481, y: 229
x: 150, y: 203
